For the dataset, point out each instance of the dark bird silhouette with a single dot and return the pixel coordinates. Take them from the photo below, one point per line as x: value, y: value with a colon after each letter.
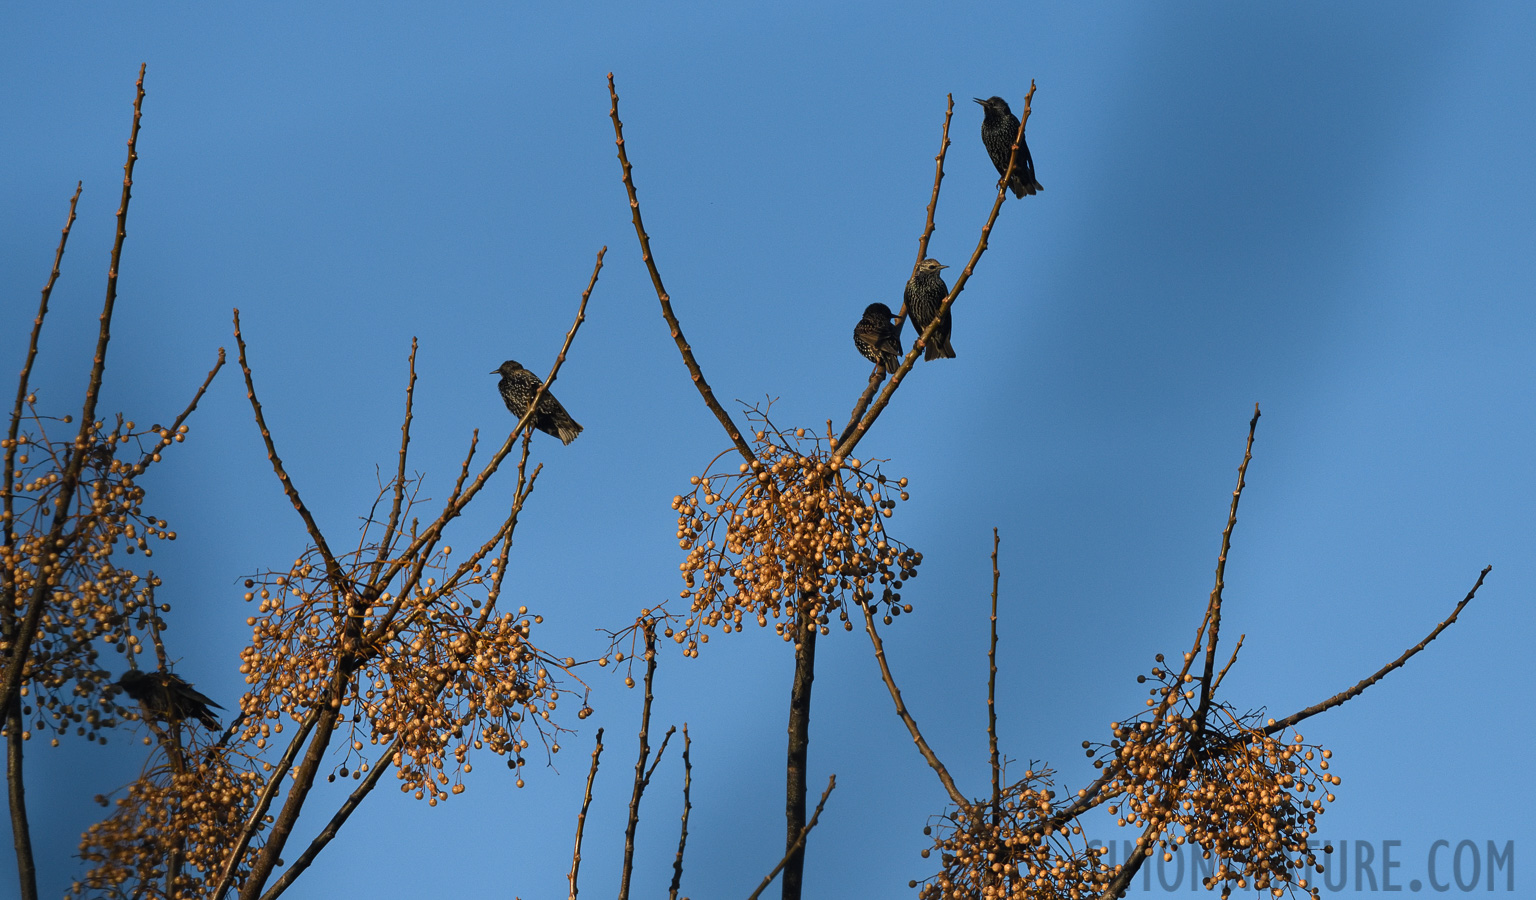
x: 164, y: 696
x: 925, y: 294
x: 877, y: 339
x: 518, y: 385
x: 999, y: 126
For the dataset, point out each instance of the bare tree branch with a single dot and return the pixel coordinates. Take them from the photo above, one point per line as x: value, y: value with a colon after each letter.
x: 997, y: 768
x: 581, y: 818
x: 1381, y: 673
x: 21, y: 829
x: 332, y: 567
x: 661, y: 292
x: 953, y: 790
x: 1213, y: 608
x: 682, y: 840
x: 641, y: 779
x: 405, y: 442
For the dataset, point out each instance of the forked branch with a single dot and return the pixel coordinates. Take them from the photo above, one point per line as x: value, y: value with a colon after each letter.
x: 799, y: 842
x: 1213, y: 608
x: 851, y: 438
x: 641, y: 777
x: 922, y: 253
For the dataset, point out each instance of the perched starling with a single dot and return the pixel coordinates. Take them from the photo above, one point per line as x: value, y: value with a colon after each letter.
x: 925, y: 294
x: 999, y: 126
x: 164, y: 696
x: 877, y: 339
x: 518, y: 385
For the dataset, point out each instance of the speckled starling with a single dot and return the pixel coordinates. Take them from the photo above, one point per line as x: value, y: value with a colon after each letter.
x: 164, y: 696
x: 518, y: 385
x: 925, y: 294
x: 999, y: 126
x: 877, y: 339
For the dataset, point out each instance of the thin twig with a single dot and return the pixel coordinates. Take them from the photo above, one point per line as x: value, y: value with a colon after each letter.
x: 168, y: 435
x: 24, y: 380
x: 906, y: 717
x: 682, y: 839
x: 1223, y: 673
x: 660, y: 752
x: 581, y: 818
x: 661, y: 291
x: 405, y: 443
x: 851, y: 438
x: 800, y: 842
x: 645, y: 748
x: 1213, y: 608
x: 922, y: 254
x: 938, y: 176
x: 332, y: 567
x: 997, y: 769
x: 1408, y: 654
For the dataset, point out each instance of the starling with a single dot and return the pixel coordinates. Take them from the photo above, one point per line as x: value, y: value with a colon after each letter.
x: 925, y: 294
x: 164, y: 696
x: 877, y: 339
x: 999, y: 126
x: 518, y: 385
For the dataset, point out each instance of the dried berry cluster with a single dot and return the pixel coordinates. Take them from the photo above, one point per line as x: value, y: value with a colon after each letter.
x: 169, y: 835
x: 1011, y: 854
x: 436, y: 672
x: 1218, y: 782
x: 90, y: 601
x: 796, y: 533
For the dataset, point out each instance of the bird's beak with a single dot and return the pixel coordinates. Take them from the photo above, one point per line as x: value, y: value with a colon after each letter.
x: 979, y: 100
x: 494, y: 371
x: 943, y: 266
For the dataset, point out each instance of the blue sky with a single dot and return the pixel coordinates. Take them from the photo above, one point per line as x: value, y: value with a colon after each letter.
x: 1324, y: 209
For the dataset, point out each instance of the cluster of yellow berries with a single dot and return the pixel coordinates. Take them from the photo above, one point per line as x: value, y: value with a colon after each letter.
x: 793, y: 536
x: 1244, y: 797
x: 437, y: 672
x: 1010, y: 854
x: 91, y: 602
x: 173, y: 829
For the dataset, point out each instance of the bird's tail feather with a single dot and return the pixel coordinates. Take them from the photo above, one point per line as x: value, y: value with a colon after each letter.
x: 567, y: 429
x: 1025, y: 185
x: 939, y: 348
